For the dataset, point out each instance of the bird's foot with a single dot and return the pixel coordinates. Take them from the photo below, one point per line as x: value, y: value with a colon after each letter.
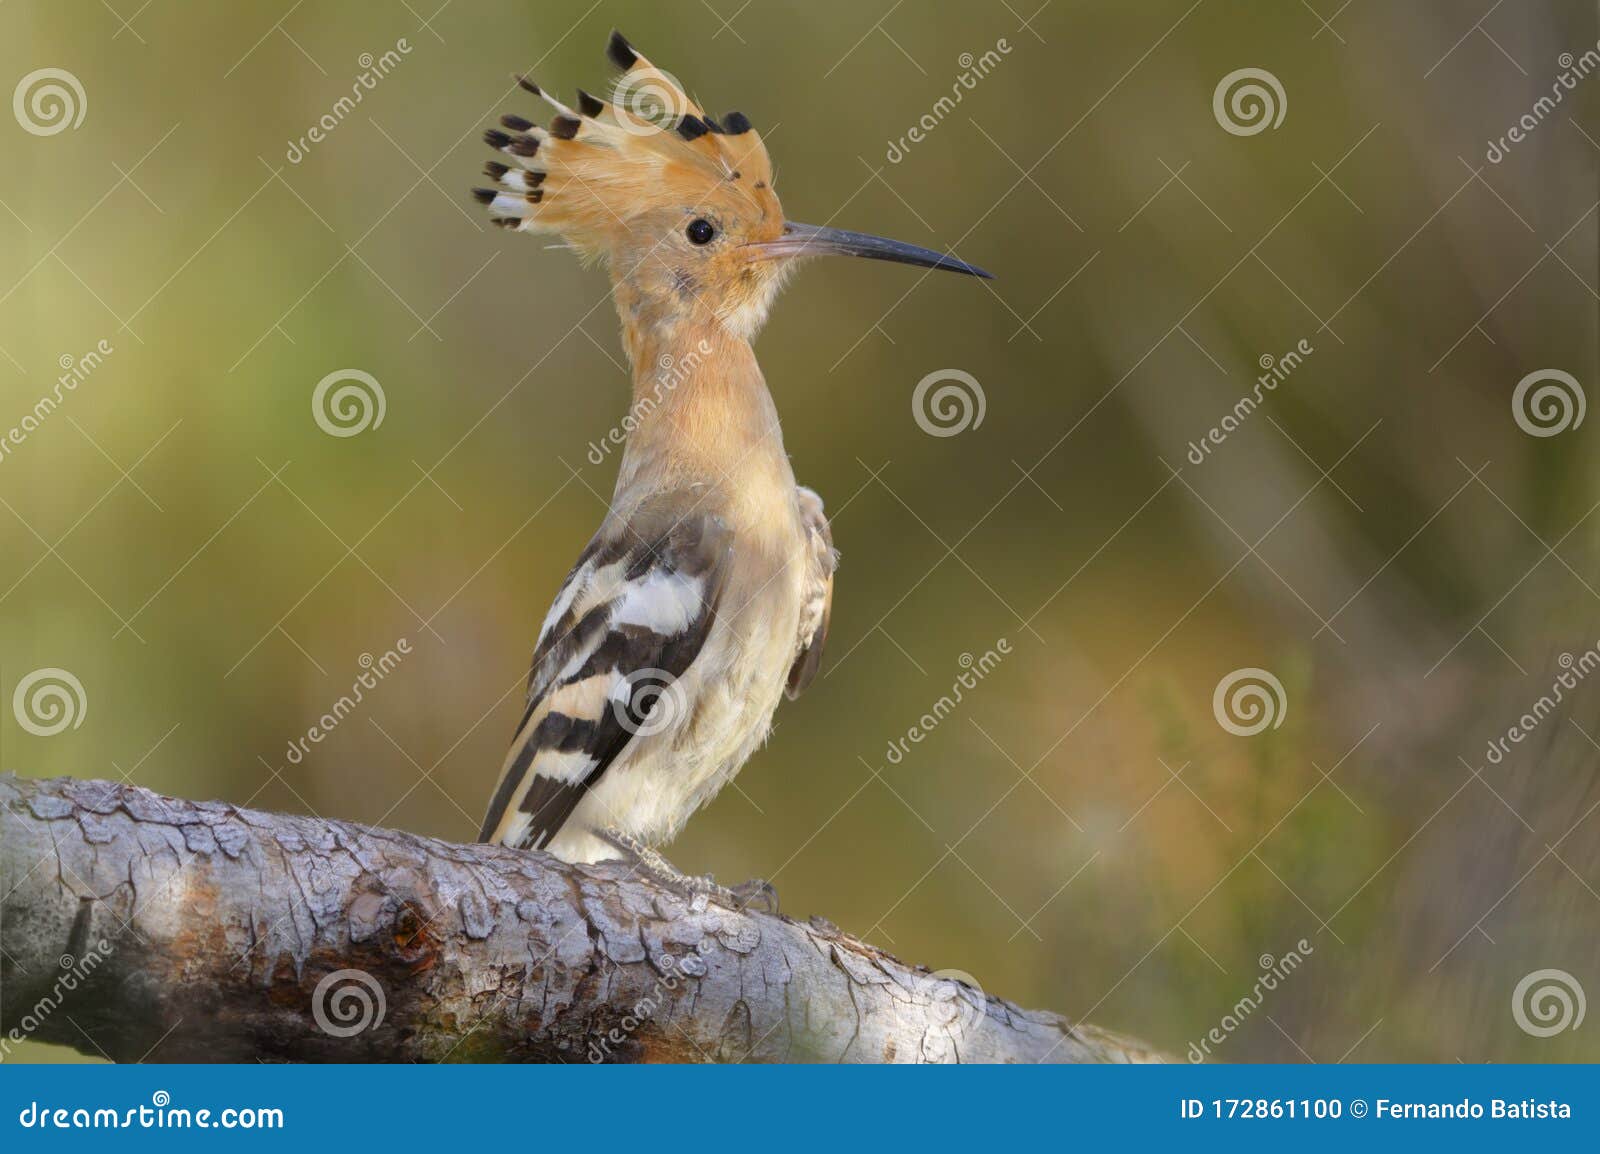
x: 757, y: 892
x: 697, y: 891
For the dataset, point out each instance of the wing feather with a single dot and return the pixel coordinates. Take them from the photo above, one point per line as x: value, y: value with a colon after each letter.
x: 630, y: 619
x: 818, y: 609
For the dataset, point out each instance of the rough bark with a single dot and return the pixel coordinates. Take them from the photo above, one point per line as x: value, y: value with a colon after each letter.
x: 144, y: 927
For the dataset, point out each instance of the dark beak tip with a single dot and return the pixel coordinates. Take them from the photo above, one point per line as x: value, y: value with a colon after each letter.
x: 968, y: 269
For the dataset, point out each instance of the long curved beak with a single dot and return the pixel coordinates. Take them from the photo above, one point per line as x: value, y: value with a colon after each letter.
x: 817, y: 240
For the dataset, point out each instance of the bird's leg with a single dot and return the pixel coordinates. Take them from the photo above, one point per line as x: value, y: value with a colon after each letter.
x: 696, y: 890
x: 651, y: 862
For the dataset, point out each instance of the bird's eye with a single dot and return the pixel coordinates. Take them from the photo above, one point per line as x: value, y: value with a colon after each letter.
x: 701, y: 231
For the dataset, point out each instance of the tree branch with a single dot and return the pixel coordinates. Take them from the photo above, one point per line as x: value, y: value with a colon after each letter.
x: 143, y: 927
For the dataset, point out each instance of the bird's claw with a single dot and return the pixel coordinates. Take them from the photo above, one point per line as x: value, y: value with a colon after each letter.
x: 701, y: 891
x: 757, y: 892
x: 697, y: 891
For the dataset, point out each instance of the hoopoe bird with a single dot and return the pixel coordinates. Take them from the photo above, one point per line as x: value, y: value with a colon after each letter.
x: 706, y: 593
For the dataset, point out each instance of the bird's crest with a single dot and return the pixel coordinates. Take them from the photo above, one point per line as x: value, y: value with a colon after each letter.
x: 596, y: 168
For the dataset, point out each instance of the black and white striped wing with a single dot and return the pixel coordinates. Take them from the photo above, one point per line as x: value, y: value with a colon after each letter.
x: 631, y: 617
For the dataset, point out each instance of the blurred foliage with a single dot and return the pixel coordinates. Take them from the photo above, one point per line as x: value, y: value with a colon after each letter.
x: 1081, y: 834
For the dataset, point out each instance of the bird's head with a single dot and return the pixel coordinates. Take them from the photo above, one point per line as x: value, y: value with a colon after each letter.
x: 679, y: 205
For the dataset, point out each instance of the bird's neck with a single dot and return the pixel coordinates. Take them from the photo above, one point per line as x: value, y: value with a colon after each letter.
x: 701, y: 414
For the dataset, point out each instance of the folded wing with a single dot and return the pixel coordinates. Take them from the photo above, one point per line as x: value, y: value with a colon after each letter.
x: 630, y: 619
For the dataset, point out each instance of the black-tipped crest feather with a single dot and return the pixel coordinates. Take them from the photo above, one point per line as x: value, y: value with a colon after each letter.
x: 620, y: 51
x: 599, y: 158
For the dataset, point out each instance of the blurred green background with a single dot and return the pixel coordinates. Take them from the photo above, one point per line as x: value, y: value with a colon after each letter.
x: 1080, y: 834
